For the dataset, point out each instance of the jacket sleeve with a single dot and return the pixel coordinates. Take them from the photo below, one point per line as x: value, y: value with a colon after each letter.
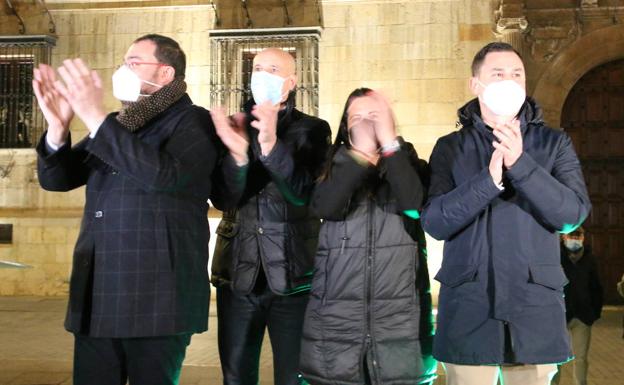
x: 295, y: 168
x: 404, y: 181
x: 596, y: 290
x: 558, y: 198
x: 450, y: 207
x: 64, y: 169
x: 228, y: 182
x: 331, y: 196
x: 182, y: 165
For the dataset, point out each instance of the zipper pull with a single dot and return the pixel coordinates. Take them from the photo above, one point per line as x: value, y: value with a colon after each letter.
x: 342, y: 245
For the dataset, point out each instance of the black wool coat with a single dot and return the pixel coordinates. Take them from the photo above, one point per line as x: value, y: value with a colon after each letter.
x: 140, y: 262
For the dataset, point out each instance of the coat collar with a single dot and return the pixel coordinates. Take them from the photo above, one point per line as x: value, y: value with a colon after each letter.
x: 470, y: 115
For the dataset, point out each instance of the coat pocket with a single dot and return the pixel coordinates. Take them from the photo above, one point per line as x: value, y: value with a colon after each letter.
x: 550, y: 276
x: 455, y: 275
x: 164, y: 248
x: 319, y: 279
x: 226, y: 249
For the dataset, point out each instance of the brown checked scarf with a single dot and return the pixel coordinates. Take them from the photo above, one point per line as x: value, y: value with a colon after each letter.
x: 134, y: 115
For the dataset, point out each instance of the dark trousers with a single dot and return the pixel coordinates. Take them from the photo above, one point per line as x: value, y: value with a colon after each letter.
x: 142, y: 361
x: 242, y: 321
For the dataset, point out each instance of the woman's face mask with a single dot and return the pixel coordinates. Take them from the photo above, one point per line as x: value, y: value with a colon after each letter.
x: 503, y: 98
x: 127, y: 84
x: 266, y: 86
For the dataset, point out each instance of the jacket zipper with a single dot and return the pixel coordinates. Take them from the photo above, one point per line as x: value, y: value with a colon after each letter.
x: 259, y: 234
x: 345, y: 238
x: 370, y: 355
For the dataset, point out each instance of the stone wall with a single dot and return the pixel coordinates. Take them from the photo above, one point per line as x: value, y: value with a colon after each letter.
x: 418, y: 52
x: 45, y: 224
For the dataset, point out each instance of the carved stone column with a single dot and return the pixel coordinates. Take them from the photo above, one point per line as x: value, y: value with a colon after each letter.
x: 512, y: 30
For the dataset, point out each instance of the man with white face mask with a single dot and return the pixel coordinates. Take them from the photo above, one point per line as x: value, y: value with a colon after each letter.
x: 583, y: 299
x: 502, y: 189
x: 139, y: 286
x: 263, y: 260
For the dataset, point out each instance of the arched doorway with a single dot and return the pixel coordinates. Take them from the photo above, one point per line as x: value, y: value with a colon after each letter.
x: 593, y: 116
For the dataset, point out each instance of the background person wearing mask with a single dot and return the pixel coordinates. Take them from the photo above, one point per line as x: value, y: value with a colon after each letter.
x: 369, y: 316
x: 266, y: 242
x: 583, y: 299
x: 139, y: 284
x: 502, y: 188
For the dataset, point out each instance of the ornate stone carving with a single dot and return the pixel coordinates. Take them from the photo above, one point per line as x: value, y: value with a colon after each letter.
x: 512, y: 30
x: 511, y: 24
x: 589, y: 3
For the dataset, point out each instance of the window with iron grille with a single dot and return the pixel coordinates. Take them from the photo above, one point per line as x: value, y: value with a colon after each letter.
x: 6, y: 233
x: 21, y: 122
x: 232, y: 53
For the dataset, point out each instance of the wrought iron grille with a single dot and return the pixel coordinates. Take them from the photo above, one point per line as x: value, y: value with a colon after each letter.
x: 232, y: 53
x: 21, y: 122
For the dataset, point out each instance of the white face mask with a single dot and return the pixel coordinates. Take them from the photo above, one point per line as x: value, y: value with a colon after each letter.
x: 266, y: 86
x: 127, y: 84
x: 504, y: 98
x: 573, y: 244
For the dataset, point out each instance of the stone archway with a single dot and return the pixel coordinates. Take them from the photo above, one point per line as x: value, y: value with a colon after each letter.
x: 591, y: 50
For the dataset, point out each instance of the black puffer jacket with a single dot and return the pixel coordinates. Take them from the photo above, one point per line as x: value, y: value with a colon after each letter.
x: 370, y: 307
x: 266, y: 225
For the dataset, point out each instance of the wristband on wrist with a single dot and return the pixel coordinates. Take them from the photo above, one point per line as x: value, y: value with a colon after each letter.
x: 390, y: 148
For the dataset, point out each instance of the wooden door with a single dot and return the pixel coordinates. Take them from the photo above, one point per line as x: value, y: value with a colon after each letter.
x: 593, y: 115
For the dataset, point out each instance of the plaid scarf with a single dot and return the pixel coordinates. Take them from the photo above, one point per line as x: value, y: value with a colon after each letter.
x: 134, y: 115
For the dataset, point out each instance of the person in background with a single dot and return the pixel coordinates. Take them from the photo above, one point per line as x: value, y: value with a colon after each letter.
x: 583, y: 299
x: 620, y: 290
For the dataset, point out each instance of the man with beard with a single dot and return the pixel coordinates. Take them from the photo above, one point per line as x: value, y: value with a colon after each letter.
x: 139, y: 286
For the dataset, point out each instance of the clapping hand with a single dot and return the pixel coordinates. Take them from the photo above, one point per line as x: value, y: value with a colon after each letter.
x: 231, y: 131
x: 82, y: 89
x: 55, y: 108
x: 266, y: 124
x: 510, y: 141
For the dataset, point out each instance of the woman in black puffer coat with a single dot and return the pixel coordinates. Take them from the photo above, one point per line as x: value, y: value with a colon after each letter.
x: 368, y: 320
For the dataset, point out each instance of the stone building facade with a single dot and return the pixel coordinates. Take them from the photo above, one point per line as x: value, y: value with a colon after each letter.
x: 417, y: 51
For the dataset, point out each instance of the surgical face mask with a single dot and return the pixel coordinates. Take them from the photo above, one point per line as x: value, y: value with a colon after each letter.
x: 503, y: 98
x: 573, y: 244
x: 266, y: 86
x: 127, y: 84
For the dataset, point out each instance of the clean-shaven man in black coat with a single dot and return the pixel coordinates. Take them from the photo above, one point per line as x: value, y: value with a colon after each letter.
x: 139, y: 286
x: 264, y: 254
x: 503, y: 187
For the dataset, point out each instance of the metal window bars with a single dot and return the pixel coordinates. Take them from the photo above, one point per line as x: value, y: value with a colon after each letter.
x: 21, y: 122
x: 232, y: 53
